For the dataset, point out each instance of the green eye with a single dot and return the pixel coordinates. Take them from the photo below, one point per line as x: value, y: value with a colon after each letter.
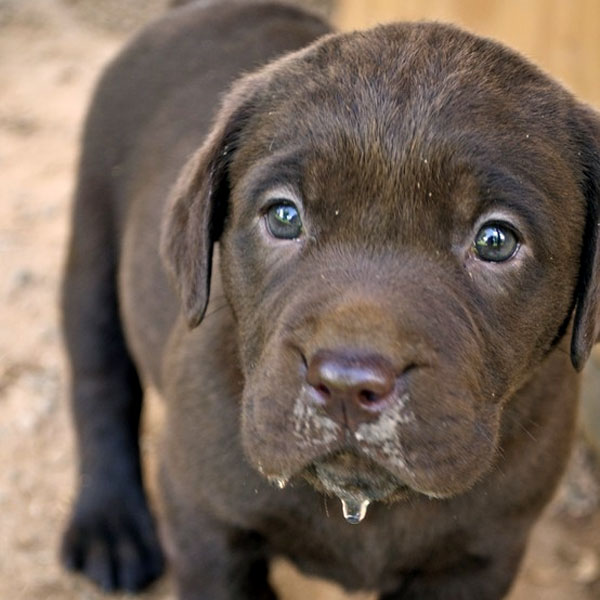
x: 495, y: 242
x: 283, y: 221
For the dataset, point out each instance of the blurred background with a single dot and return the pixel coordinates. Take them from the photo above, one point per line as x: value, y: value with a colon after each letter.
x: 562, y: 36
x: 51, y: 52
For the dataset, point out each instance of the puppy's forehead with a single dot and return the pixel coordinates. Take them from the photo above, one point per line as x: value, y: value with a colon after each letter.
x: 398, y: 94
x: 413, y: 72
x: 412, y: 132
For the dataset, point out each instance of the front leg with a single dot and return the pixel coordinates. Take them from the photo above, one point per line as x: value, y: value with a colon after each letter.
x: 110, y: 536
x: 213, y: 561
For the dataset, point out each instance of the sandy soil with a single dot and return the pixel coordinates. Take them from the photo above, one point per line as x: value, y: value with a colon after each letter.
x: 50, y: 54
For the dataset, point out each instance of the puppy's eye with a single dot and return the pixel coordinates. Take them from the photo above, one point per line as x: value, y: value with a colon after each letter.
x: 283, y: 221
x: 495, y: 242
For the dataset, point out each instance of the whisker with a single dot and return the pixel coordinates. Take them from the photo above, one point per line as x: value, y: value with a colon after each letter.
x: 513, y: 419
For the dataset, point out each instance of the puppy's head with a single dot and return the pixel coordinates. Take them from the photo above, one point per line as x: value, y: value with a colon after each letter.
x: 407, y: 220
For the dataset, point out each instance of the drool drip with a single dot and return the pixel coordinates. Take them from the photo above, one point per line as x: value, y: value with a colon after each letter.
x: 279, y: 482
x: 354, y: 509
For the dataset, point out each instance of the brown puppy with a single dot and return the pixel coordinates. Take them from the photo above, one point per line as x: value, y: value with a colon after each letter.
x: 407, y: 222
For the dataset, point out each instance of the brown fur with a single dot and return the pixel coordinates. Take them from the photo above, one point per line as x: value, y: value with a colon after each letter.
x: 396, y: 145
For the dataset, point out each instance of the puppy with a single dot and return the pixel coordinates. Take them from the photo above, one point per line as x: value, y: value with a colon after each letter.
x: 403, y: 225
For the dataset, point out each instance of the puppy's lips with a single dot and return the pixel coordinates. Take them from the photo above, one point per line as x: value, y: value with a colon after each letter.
x: 357, y: 481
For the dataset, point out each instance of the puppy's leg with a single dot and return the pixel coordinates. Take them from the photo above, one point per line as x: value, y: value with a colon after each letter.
x: 210, y: 560
x: 111, y: 535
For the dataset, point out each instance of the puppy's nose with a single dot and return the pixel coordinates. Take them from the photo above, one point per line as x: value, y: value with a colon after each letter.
x: 352, y: 387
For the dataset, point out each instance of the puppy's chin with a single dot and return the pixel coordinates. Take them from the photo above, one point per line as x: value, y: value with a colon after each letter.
x: 349, y: 476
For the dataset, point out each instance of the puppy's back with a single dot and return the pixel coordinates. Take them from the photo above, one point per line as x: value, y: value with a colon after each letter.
x: 163, y: 90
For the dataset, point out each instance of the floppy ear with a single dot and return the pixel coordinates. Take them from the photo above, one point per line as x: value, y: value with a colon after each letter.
x: 197, y: 206
x: 586, y: 327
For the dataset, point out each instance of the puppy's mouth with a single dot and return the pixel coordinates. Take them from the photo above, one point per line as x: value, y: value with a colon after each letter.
x: 356, y: 481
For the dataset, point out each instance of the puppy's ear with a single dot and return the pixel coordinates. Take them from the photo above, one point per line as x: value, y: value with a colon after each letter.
x: 586, y: 327
x: 197, y: 206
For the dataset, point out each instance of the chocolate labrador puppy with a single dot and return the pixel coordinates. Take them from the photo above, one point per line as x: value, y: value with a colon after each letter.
x: 383, y: 387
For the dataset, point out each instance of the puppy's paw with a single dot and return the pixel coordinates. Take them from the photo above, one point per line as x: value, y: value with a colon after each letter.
x: 111, y: 539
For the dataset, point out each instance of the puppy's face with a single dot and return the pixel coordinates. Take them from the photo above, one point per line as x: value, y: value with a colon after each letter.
x: 403, y: 217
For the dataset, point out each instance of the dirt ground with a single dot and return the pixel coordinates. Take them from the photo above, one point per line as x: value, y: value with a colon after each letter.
x: 50, y: 54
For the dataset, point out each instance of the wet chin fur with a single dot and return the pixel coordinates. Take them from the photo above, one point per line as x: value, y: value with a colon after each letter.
x: 349, y: 476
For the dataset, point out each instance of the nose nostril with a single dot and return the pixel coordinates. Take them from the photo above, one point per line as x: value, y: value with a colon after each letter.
x: 324, y: 390
x: 368, y: 397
